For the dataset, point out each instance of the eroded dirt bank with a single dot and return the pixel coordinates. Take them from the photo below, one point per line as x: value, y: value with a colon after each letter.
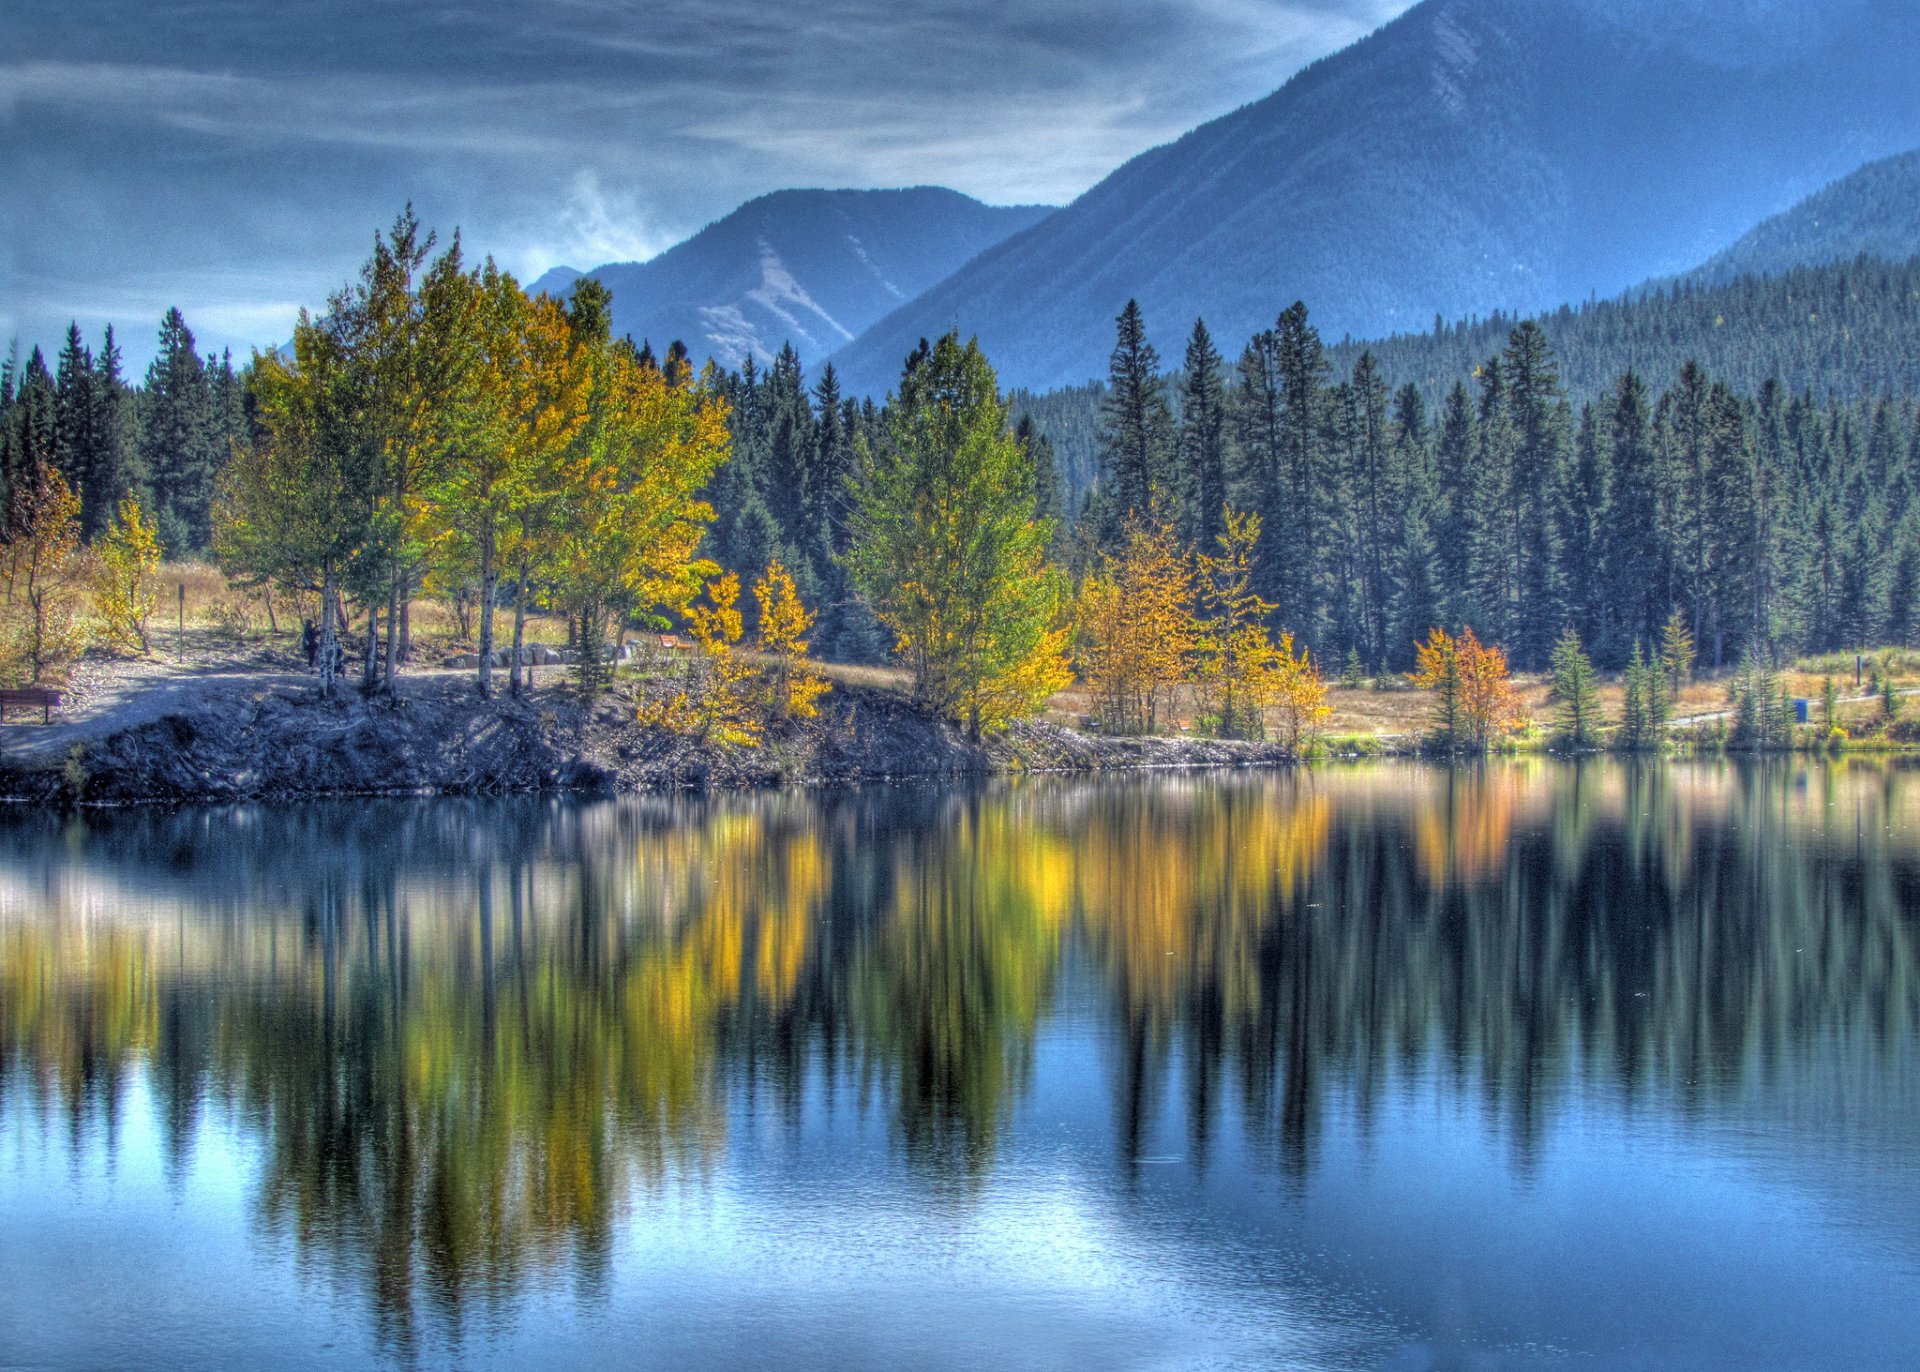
x: 263, y: 738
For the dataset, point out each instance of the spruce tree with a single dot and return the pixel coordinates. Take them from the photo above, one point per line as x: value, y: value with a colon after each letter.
x: 1575, y: 695
x: 1203, y: 442
x: 75, y: 428
x: 174, y: 446
x: 1296, y: 520
x: 1137, y: 433
x: 1536, y: 489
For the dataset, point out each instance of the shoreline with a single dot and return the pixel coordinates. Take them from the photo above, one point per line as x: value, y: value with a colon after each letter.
x: 268, y: 739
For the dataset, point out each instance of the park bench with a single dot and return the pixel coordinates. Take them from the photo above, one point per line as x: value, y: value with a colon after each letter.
x: 28, y: 698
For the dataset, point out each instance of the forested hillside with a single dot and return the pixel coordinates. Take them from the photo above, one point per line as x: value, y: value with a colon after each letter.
x: 1844, y: 330
x: 1652, y: 466
x: 805, y: 267
x: 1873, y: 212
x: 1471, y: 155
x: 1746, y: 455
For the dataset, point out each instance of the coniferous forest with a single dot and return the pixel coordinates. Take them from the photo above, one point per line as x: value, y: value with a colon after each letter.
x: 1747, y: 454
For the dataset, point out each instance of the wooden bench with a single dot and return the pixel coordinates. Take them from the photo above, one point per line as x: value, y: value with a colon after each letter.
x: 28, y: 698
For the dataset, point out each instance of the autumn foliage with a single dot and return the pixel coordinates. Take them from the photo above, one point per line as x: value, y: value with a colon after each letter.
x: 1473, y: 693
x: 793, y: 684
x: 126, y: 557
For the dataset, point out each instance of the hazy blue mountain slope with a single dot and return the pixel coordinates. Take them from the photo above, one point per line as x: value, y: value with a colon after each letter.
x: 1472, y: 155
x: 1874, y: 212
x: 809, y: 267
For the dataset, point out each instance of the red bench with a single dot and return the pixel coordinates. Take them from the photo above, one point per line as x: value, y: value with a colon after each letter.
x: 29, y: 698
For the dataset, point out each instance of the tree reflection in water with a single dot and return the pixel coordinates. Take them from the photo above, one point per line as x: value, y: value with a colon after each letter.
x: 467, y: 1034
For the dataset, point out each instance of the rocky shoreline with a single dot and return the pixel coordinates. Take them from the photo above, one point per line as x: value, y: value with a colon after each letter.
x: 278, y: 740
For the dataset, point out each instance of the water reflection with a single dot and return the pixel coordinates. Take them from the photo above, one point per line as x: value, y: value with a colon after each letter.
x: 466, y: 1036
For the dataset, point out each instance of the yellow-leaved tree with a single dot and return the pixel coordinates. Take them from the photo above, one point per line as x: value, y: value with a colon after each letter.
x: 717, y: 700
x: 39, y: 556
x: 630, y: 516
x: 1137, y: 636
x: 126, y: 557
x: 1291, y: 686
x: 1473, y: 697
x: 794, y: 684
x: 1235, y: 652
x: 947, y: 549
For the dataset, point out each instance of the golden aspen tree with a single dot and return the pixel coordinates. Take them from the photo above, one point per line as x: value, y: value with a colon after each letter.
x: 523, y: 403
x: 784, y: 622
x: 1137, y: 633
x: 630, y: 516
x: 1233, y: 647
x: 126, y: 557
x: 716, y: 702
x: 1474, y: 698
x: 39, y: 554
x: 1294, y: 688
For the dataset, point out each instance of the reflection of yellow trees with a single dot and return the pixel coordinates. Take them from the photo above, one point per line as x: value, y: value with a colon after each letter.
x: 949, y: 990
x: 1176, y: 883
x: 1463, y: 828
x: 78, y: 1009
x: 480, y: 1029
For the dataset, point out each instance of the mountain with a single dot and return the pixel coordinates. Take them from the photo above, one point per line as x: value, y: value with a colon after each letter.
x: 1470, y: 155
x: 806, y: 266
x: 1874, y: 212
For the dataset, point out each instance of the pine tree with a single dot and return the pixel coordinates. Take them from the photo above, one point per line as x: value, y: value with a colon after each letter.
x: 1457, y: 509
x: 1137, y: 439
x: 175, y: 448
x: 1536, y: 489
x: 1676, y: 655
x: 1297, y: 515
x: 1574, y: 692
x: 1375, y: 496
x: 1637, y: 711
x: 1203, y: 441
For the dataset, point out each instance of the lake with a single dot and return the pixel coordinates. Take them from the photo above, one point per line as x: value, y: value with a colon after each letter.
x: 1525, y: 1065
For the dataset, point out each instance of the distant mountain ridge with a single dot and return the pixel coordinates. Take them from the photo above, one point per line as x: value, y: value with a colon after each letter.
x: 810, y: 267
x: 1472, y: 155
x: 1873, y: 212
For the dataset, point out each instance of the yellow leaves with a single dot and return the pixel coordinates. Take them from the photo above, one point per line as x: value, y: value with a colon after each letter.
x: 1136, y: 629
x: 784, y: 621
x: 1475, y: 697
x: 718, y: 701
x: 125, y: 559
x: 1292, y: 685
x: 39, y: 561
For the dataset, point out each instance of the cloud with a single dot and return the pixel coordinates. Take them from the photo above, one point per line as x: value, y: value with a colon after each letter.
x: 222, y: 153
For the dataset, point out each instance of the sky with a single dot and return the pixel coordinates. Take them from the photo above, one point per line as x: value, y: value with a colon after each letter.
x: 235, y: 157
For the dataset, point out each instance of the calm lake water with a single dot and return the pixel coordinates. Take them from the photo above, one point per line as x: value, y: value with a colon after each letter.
x: 1399, y: 1067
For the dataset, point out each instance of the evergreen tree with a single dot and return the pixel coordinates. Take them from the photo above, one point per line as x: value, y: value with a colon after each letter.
x: 947, y: 549
x: 1298, y: 507
x: 1536, y: 490
x: 174, y: 443
x: 1137, y: 439
x: 1574, y: 692
x: 1203, y: 441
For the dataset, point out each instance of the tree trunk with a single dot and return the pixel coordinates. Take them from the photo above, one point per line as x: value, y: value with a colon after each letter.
x: 519, y: 632
x: 328, y: 633
x: 370, y: 669
x: 487, y: 580
x: 394, y: 584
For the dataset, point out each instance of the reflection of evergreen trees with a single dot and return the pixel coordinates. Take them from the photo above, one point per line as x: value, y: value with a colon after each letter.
x: 467, y: 1033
